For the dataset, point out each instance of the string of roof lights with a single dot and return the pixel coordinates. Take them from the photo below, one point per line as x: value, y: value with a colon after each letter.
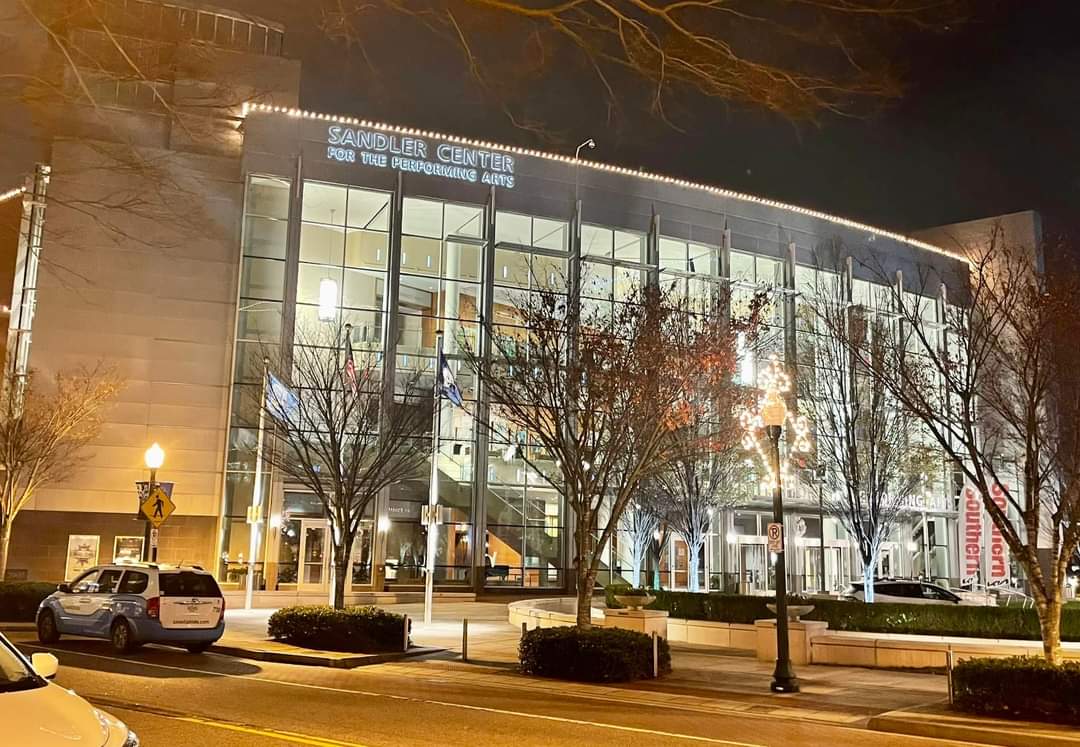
x: 250, y: 106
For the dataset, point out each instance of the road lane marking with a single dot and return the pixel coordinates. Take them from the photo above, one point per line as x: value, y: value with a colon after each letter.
x: 284, y: 736
x: 465, y: 706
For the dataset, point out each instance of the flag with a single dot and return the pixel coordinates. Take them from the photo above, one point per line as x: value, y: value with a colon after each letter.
x: 281, y: 402
x: 350, y: 364
x: 445, y: 386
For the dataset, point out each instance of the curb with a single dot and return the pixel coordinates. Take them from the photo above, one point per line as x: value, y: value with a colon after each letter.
x: 974, y: 729
x: 320, y: 660
x: 17, y: 627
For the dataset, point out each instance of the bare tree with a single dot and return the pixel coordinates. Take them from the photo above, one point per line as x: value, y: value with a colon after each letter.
x: 995, y: 382
x: 343, y: 436
x: 867, y: 444
x: 599, y: 387
x: 798, y: 59
x: 639, y: 523
x: 45, y: 428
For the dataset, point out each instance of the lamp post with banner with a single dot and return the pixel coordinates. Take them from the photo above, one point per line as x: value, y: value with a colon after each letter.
x: 769, y: 419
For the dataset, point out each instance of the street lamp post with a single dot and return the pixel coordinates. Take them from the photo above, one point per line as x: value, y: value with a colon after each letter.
x: 771, y: 416
x: 154, y: 458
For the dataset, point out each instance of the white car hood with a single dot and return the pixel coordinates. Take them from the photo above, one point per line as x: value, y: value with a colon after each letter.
x: 49, y: 716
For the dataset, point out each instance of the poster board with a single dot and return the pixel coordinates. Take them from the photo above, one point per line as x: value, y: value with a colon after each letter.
x: 82, y: 553
x: 127, y: 548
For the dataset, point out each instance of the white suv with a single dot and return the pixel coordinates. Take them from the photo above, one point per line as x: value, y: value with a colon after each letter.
x: 135, y: 603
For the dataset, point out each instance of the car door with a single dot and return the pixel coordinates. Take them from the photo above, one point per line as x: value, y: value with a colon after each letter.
x: 75, y: 604
x: 98, y: 614
x: 889, y: 593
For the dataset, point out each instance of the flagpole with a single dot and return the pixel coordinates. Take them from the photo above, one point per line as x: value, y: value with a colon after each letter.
x: 433, y: 487
x: 256, y: 492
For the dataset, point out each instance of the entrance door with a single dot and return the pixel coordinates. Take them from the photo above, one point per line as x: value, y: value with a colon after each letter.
x: 314, y: 554
x: 835, y: 573
x: 753, y: 571
x: 889, y: 560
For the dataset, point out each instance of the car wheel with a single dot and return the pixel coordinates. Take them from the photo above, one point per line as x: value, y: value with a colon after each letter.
x: 123, y: 640
x: 46, y: 627
x: 197, y: 648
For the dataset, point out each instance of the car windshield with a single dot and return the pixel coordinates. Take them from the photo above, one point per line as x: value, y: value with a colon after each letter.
x: 14, y: 673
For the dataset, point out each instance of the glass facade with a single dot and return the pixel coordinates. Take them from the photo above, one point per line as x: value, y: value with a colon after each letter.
x: 318, y: 251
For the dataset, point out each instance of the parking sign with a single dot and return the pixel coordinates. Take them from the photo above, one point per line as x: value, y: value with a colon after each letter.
x: 776, y: 537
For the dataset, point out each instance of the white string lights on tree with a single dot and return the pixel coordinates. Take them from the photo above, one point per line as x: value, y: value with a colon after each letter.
x: 774, y: 383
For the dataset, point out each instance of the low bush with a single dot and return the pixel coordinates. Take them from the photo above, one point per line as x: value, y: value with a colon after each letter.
x: 19, y: 600
x: 915, y: 619
x: 1021, y: 687
x: 594, y: 655
x: 353, y: 629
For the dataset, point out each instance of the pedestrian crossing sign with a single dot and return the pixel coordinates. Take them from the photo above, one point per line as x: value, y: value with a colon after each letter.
x: 157, y: 507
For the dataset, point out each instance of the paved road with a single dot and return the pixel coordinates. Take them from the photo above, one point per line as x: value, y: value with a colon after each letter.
x: 173, y: 698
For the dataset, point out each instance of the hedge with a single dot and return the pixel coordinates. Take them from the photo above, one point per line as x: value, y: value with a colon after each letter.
x: 593, y: 655
x: 352, y: 629
x: 1021, y: 687
x: 917, y: 619
x: 19, y: 600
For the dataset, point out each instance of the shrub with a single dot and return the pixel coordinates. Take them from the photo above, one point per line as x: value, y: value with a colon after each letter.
x: 353, y: 629
x: 1021, y: 687
x: 19, y: 600
x: 915, y: 619
x: 594, y: 655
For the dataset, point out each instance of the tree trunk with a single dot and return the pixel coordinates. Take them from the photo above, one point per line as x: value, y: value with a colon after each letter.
x: 585, y: 580
x: 5, y: 543
x: 635, y: 574
x: 341, y: 573
x: 868, y: 580
x: 693, y: 553
x: 1050, y: 626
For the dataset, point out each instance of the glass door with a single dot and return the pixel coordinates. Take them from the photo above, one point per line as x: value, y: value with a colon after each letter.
x: 753, y: 574
x: 314, y: 554
x: 835, y: 573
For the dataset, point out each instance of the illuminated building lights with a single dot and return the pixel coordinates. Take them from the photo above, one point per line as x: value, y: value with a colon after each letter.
x: 253, y: 107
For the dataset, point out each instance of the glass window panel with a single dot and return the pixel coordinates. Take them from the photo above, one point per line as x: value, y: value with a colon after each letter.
x: 259, y: 320
x: 629, y: 246
x: 418, y: 295
x: 364, y: 289
x: 513, y: 228
x: 860, y: 292
x: 460, y: 300
x: 742, y: 267
x: 464, y: 220
x: 369, y: 209
x: 596, y: 241
x: 701, y: 259
x: 422, y: 218
x: 505, y: 505
x: 366, y: 249
x: 504, y: 546
x: 512, y: 268
x: 262, y: 278
x: 769, y: 271
x: 626, y: 283
x: 542, y: 547
x: 672, y: 254
x: 265, y: 237
x: 324, y: 203
x: 268, y: 196
x: 462, y: 261
x: 367, y: 328
x: 322, y: 244
x: 310, y: 277
x: 596, y: 281
x: 550, y: 234
x: 420, y: 255
x: 550, y: 272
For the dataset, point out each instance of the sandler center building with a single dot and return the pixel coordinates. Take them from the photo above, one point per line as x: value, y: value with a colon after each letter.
x: 399, y: 233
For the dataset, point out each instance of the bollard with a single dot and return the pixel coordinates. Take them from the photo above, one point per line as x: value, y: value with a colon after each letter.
x: 465, y: 639
x: 524, y: 628
x: 655, y: 656
x: 949, y: 661
x: 406, y: 634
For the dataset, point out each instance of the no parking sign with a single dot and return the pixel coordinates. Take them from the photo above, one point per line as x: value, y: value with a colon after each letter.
x: 776, y: 537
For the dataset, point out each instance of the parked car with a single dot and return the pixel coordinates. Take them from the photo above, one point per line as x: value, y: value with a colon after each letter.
x: 38, y: 713
x: 135, y: 603
x: 905, y: 592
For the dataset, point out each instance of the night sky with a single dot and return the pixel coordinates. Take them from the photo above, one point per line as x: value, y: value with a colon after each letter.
x: 989, y: 123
